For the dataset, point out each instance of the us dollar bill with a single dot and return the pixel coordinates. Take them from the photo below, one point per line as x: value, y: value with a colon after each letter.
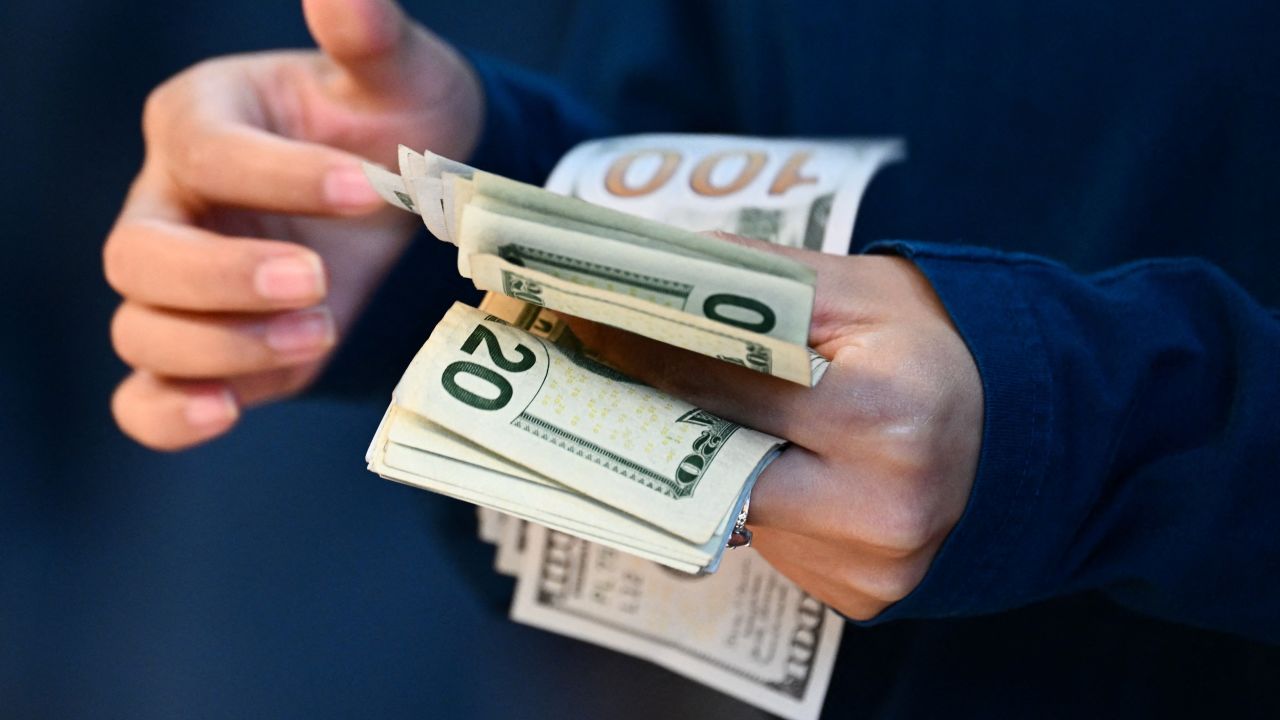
x: 489, y: 524
x: 512, y: 545
x: 594, y: 555
x: 706, y: 295
x: 795, y: 192
x: 426, y: 442
x: 567, y: 417
x: 746, y: 631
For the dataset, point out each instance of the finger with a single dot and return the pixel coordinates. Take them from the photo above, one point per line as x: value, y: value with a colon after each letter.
x: 218, y: 160
x: 168, y: 414
x: 806, y: 257
x: 790, y: 490
x: 380, y: 48
x: 762, y: 402
x: 189, y: 345
x: 366, y: 37
x: 849, y: 306
x: 830, y: 582
x: 847, y: 505
x: 851, y: 567
x: 155, y: 262
x: 851, y: 291
x: 270, y: 385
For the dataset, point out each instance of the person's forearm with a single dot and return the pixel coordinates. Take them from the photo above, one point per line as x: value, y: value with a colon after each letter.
x: 1129, y: 442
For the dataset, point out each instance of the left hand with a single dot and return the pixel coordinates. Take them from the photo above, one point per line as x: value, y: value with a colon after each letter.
x: 250, y: 240
x: 884, y: 449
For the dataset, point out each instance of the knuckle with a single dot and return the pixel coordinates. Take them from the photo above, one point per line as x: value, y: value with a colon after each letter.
x: 209, y: 352
x: 169, y: 99
x: 270, y: 386
x: 890, y: 584
x: 893, y: 387
x: 120, y: 404
x: 112, y: 264
x: 124, y: 335
x: 227, y: 273
x: 913, y: 395
x: 132, y: 415
x: 195, y: 158
x: 915, y: 468
x: 224, y: 350
x: 237, y: 350
x: 859, y: 608
x: 904, y: 527
x: 158, y: 108
x: 124, y: 408
x: 153, y: 111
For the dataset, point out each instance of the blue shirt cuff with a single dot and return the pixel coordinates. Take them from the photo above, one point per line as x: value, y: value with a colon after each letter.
x: 980, y: 290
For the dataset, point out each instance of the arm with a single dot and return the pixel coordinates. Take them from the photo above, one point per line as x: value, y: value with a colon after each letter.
x: 1130, y: 441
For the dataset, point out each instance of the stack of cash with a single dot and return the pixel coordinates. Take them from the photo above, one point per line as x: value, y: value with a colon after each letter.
x: 684, y: 289
x: 746, y: 630
x: 503, y: 407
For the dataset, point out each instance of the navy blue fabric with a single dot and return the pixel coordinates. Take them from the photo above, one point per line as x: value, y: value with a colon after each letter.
x: 1128, y: 488
x: 1129, y: 442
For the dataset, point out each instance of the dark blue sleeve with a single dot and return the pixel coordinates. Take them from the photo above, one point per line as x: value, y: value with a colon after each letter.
x: 530, y: 121
x: 1130, y: 442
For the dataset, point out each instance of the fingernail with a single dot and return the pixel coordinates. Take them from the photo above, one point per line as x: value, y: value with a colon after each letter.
x: 298, y: 277
x: 301, y: 333
x: 347, y: 187
x: 211, y: 409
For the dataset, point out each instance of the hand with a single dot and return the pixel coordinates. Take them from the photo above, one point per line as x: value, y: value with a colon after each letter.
x: 884, y: 449
x: 250, y: 239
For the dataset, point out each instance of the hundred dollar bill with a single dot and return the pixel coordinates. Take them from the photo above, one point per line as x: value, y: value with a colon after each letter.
x: 746, y: 631
x: 800, y: 192
x: 489, y: 524
x: 511, y: 547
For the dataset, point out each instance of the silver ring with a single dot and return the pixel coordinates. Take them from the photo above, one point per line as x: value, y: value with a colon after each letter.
x: 741, y: 536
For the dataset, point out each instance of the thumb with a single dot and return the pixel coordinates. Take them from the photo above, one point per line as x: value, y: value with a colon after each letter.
x: 376, y: 43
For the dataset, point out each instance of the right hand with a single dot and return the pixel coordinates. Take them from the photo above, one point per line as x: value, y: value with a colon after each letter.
x: 250, y: 239
x: 883, y: 452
